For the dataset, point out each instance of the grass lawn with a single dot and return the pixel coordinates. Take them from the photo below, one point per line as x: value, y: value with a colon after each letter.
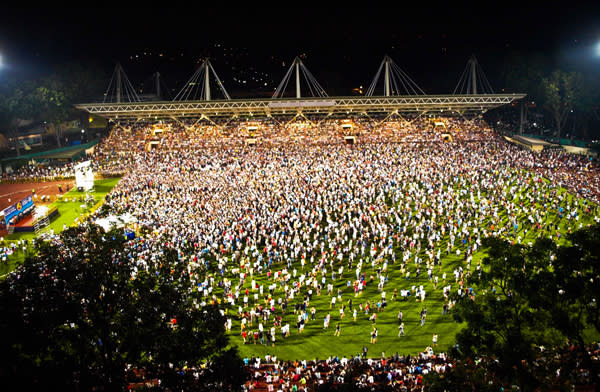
x: 317, y: 342
x: 69, y: 209
x: 11, y: 263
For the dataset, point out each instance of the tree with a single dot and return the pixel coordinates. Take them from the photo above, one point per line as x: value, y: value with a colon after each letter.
x: 4, y: 145
x: 79, y: 313
x: 502, y: 329
x: 55, y: 95
x: 561, y: 90
x: 523, y: 72
x: 571, y: 291
x: 53, y: 104
x: 526, y: 303
x: 15, y: 105
x: 586, y: 105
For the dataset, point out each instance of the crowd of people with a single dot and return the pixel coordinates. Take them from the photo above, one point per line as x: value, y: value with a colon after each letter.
x: 266, y: 227
x: 115, y: 155
x: 39, y: 173
x: 403, y: 373
x: 309, y: 216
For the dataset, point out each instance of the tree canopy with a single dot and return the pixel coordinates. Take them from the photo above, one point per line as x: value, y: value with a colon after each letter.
x: 50, y: 98
x: 529, y: 313
x: 567, y: 97
x: 81, y: 312
x: 15, y: 105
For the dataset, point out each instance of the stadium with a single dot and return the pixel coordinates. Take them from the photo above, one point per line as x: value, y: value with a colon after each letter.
x: 328, y: 231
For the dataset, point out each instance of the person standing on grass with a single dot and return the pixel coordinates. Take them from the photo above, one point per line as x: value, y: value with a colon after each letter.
x: 401, y: 330
x: 374, y: 335
x: 373, y: 318
x: 435, y: 339
x: 337, y: 330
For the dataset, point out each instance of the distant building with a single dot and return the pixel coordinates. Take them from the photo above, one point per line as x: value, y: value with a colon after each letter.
x: 30, y: 134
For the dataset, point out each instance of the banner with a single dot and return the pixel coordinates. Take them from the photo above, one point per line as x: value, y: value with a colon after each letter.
x: 84, y: 176
x: 18, y: 209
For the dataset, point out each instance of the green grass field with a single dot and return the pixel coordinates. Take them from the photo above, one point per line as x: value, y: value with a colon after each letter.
x: 316, y: 342
x: 69, y: 209
x: 11, y: 263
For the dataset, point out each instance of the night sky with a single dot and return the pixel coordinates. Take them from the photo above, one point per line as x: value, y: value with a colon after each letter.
x: 342, y: 46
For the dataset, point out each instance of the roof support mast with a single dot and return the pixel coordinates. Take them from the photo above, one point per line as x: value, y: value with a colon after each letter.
x: 473, y: 62
x: 119, y: 88
x: 473, y: 80
x: 394, y: 80
x: 297, y: 61
x: 119, y: 83
x: 386, y: 86
x: 157, y: 76
x: 206, y: 81
x: 198, y: 87
x: 313, y: 87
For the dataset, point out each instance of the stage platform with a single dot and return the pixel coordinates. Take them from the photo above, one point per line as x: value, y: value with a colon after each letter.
x: 10, y: 193
x: 27, y: 223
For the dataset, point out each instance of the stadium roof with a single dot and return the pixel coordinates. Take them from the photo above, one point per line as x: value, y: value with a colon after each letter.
x: 466, y: 104
x: 469, y: 101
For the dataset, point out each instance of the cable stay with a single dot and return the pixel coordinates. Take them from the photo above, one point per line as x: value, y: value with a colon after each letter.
x: 198, y: 86
x: 154, y: 88
x: 162, y: 90
x: 473, y: 80
x: 301, y: 72
x: 120, y: 88
x: 395, y: 80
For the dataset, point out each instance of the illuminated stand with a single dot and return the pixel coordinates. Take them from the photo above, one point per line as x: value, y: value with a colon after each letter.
x: 84, y: 176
